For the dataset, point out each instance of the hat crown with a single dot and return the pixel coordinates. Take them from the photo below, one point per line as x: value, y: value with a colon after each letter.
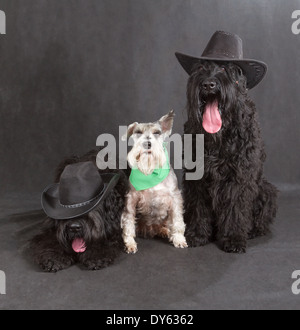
x: 79, y: 183
x: 228, y: 48
x: 224, y: 45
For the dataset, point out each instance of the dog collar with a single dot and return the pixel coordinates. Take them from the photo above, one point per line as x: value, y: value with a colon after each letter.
x: 140, y: 181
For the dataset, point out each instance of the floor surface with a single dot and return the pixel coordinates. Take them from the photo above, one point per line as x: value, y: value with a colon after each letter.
x: 159, y: 276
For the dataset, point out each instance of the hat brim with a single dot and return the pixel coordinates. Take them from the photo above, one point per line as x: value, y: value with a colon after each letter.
x: 54, y: 210
x: 254, y: 71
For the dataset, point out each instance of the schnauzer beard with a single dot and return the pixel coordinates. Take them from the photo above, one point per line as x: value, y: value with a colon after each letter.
x: 147, y: 160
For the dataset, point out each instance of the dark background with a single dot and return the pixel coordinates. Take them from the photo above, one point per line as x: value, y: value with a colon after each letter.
x: 71, y: 70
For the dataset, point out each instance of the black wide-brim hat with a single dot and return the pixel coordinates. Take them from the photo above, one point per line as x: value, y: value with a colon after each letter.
x: 226, y: 47
x: 80, y: 190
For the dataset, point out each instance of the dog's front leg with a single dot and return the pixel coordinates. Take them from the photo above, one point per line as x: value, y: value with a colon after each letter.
x: 48, y: 254
x: 177, y: 226
x: 234, y: 218
x: 128, y: 223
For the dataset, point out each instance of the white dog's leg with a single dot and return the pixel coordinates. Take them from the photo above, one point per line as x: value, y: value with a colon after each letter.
x: 128, y: 224
x: 177, y: 225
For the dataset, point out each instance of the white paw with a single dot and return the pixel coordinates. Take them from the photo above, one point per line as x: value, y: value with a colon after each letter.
x: 131, y: 248
x: 179, y: 241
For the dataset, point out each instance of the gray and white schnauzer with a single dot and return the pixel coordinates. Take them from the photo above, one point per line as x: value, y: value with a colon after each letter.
x: 153, y: 206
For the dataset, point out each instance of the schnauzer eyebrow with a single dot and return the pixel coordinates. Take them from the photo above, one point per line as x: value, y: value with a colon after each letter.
x: 138, y: 131
x: 156, y: 131
x: 142, y: 130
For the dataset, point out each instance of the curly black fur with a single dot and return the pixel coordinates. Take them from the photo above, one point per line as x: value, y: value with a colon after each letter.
x: 100, y: 229
x: 233, y: 202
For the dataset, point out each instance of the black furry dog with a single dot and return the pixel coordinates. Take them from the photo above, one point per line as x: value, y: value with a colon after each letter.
x: 233, y: 202
x: 93, y: 240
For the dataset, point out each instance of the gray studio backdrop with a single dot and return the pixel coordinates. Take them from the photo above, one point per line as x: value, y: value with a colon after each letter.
x: 73, y: 69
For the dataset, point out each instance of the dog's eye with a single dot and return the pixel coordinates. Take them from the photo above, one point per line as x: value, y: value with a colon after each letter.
x: 138, y: 132
x: 157, y: 133
x: 223, y: 69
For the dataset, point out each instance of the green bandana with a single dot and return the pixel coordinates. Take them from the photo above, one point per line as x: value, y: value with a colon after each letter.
x: 140, y: 181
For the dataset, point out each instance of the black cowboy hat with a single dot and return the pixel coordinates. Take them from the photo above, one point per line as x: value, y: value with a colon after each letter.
x: 80, y: 190
x: 227, y: 47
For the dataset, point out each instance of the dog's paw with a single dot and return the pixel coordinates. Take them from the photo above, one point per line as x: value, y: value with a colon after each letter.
x: 181, y: 245
x: 53, y: 266
x: 234, y: 246
x: 97, y: 264
x: 49, y: 267
x: 164, y: 232
x: 131, y: 248
x: 179, y: 241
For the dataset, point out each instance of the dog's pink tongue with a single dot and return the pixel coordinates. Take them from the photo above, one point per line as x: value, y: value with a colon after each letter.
x: 78, y: 245
x: 212, y: 121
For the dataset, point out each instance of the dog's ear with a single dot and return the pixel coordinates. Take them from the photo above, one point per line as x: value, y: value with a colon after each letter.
x: 166, y: 123
x: 129, y: 131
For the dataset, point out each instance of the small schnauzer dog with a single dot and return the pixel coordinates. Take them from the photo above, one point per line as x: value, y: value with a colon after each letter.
x: 154, y: 205
x: 84, y: 213
x: 233, y: 202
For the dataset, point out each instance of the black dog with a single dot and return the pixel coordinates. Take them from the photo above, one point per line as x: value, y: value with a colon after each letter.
x: 93, y: 240
x: 233, y: 202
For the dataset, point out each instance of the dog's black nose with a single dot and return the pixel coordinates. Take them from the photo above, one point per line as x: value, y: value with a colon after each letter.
x: 209, y: 85
x: 147, y: 145
x: 75, y: 227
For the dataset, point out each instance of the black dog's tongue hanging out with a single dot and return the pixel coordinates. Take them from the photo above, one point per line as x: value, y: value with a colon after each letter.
x: 212, y: 122
x: 78, y: 245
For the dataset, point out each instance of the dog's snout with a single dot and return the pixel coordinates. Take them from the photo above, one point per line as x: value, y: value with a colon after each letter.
x: 75, y: 227
x: 147, y: 145
x: 209, y: 85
